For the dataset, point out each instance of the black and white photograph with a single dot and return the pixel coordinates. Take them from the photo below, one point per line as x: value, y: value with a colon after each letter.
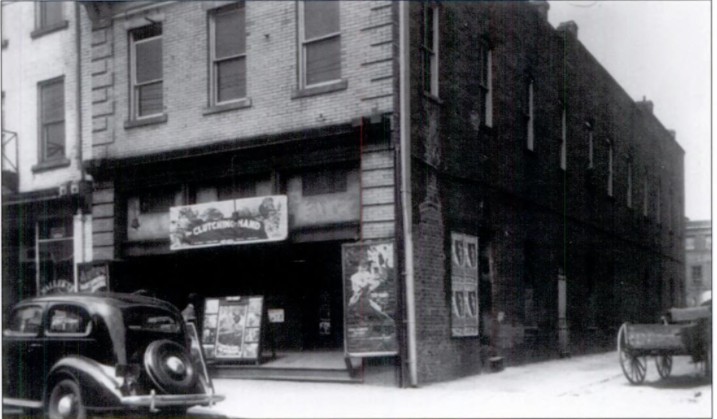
x: 341, y: 208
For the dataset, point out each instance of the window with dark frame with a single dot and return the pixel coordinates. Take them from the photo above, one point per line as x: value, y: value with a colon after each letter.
x: 320, y: 42
x: 228, y: 53
x: 326, y: 181
x: 430, y: 49
x: 530, y: 115
x: 146, y: 76
x: 52, y: 120
x: 485, y: 83
x: 697, y: 273
x: 48, y: 15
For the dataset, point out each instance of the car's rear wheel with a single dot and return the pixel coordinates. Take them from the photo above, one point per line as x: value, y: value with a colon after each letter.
x: 65, y: 401
x: 169, y: 367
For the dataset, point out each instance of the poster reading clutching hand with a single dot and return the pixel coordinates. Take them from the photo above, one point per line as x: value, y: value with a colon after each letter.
x: 370, y: 304
x: 464, y: 285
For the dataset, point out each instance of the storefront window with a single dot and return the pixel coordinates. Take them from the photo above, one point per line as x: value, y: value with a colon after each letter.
x: 55, y: 250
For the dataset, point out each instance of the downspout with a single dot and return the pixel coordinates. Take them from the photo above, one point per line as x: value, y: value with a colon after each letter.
x: 405, y: 144
x: 78, y: 50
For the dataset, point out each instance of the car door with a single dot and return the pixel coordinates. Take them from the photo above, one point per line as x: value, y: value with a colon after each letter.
x: 23, y: 354
x: 68, y: 332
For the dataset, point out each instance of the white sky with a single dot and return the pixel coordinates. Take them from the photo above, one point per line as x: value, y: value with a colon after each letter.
x: 661, y: 50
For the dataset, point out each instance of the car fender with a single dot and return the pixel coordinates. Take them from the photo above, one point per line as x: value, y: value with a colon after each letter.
x: 99, y: 386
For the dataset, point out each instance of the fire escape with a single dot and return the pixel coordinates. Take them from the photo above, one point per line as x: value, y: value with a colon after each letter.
x: 9, y: 162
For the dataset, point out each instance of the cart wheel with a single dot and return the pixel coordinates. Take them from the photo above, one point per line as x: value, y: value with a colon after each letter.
x: 634, y: 367
x: 664, y: 365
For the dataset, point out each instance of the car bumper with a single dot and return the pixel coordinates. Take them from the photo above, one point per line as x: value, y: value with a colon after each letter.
x: 154, y: 401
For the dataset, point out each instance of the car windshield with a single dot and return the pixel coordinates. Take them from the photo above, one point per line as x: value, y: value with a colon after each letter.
x: 152, y: 319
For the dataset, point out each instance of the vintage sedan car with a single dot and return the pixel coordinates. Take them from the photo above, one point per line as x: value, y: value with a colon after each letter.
x: 75, y: 354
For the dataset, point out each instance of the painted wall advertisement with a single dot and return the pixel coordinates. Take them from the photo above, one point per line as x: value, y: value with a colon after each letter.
x: 370, y: 304
x: 238, y: 221
x: 232, y: 328
x: 464, y: 285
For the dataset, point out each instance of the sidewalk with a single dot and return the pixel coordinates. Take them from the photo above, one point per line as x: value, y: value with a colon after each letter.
x: 582, y: 386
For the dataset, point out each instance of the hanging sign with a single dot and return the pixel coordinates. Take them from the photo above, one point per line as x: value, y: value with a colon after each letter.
x: 464, y: 285
x: 93, y: 277
x: 238, y: 221
x: 370, y: 304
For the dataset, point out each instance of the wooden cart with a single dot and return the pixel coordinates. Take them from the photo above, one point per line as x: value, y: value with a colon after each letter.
x: 686, y: 331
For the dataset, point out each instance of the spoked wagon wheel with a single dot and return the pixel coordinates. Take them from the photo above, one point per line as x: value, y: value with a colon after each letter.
x: 634, y: 367
x: 664, y: 365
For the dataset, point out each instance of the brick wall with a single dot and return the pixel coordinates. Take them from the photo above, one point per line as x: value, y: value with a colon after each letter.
x: 482, y: 180
x: 366, y: 51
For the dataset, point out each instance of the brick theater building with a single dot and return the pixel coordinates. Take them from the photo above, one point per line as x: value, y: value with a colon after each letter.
x: 413, y: 189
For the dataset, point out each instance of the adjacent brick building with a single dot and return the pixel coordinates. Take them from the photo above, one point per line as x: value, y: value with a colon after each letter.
x: 44, y: 221
x: 698, y: 261
x: 545, y: 204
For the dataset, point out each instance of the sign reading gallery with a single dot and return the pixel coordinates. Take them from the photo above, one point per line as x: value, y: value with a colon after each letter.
x: 237, y: 221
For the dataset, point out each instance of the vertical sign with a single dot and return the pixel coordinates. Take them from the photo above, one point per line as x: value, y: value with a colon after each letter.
x: 370, y: 304
x: 464, y: 285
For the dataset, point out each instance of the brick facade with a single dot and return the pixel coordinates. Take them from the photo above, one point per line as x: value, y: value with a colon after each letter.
x: 468, y: 177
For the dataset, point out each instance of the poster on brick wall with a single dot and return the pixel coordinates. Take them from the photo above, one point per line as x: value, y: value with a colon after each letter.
x: 464, y: 285
x: 370, y: 299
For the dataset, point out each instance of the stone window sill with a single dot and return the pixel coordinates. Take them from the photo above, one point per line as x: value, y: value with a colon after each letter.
x: 49, y: 29
x: 320, y: 90
x: 157, y: 119
x: 50, y: 165
x: 224, y: 107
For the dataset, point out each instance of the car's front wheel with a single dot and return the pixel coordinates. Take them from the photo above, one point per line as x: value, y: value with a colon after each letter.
x: 65, y: 401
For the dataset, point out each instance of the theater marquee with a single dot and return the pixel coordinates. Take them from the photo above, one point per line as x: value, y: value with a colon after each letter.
x: 238, y: 221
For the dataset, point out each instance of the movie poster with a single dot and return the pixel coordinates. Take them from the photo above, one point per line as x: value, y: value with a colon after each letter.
x: 464, y: 285
x: 370, y: 299
x: 232, y: 328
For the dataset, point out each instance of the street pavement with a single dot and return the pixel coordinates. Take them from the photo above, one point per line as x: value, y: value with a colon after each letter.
x: 581, y: 386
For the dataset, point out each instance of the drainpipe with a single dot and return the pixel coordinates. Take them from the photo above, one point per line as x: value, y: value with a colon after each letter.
x: 405, y: 125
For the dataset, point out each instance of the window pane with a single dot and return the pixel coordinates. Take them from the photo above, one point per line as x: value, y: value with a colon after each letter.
x: 229, y: 32
x: 53, y: 102
x: 231, y: 79
x: 150, y: 99
x: 320, y: 18
x: 149, y: 60
x: 54, y: 141
x: 26, y: 320
x: 323, y: 60
x: 68, y: 320
x: 50, y: 13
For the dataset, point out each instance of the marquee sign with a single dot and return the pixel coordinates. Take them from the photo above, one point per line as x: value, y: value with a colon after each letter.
x: 238, y: 221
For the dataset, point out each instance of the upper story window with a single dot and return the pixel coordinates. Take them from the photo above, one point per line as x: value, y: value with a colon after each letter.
x: 629, y: 183
x: 591, y: 144
x: 228, y: 53
x: 645, y: 194
x: 48, y: 17
x: 708, y: 242
x: 485, y: 80
x: 52, y: 120
x: 530, y: 115
x: 564, y: 140
x: 147, y: 95
x: 430, y: 49
x: 697, y: 273
x: 689, y: 243
x: 320, y: 42
x: 609, y: 167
